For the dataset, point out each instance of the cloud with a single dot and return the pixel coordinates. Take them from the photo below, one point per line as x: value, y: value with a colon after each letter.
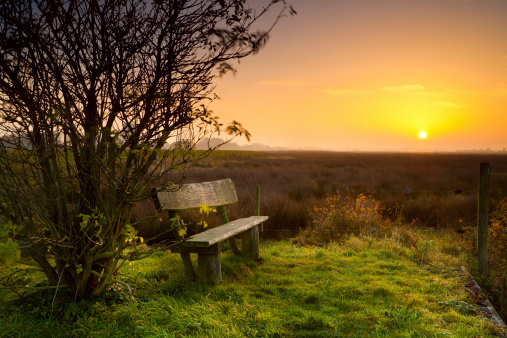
x: 397, y: 89
x: 451, y: 105
x: 348, y: 92
x: 404, y: 88
x: 284, y: 83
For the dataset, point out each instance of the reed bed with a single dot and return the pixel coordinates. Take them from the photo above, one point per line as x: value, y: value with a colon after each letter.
x: 293, y: 183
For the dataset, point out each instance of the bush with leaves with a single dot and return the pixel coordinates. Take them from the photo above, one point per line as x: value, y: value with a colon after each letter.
x: 347, y: 215
x: 90, y: 92
x: 497, y: 251
x: 497, y: 242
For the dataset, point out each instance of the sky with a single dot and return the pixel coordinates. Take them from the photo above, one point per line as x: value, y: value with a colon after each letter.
x: 370, y: 75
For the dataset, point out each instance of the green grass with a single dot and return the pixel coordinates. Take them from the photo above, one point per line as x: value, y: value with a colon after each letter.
x: 360, y: 288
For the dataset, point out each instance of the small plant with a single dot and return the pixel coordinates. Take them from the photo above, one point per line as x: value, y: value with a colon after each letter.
x: 459, y: 306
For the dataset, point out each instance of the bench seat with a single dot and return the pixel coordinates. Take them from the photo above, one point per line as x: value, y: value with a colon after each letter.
x: 223, y: 232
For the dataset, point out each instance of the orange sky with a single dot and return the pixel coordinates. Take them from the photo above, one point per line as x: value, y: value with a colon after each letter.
x: 371, y: 74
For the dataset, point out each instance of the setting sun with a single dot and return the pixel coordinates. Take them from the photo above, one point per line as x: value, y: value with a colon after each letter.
x: 372, y: 84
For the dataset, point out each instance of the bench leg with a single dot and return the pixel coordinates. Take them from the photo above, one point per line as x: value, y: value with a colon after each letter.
x: 209, y: 269
x: 234, y: 246
x: 250, y: 243
x: 187, y: 263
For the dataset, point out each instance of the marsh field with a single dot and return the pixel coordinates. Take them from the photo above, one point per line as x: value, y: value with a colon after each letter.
x: 435, y: 191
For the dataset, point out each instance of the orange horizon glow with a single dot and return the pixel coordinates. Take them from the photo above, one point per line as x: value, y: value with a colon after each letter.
x: 369, y: 75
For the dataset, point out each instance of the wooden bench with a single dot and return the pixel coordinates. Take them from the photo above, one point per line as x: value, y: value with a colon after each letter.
x: 208, y: 244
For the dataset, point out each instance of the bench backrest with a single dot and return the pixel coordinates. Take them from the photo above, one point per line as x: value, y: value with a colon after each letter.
x: 191, y: 196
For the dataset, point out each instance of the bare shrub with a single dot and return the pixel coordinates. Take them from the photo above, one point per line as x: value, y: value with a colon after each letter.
x: 90, y: 92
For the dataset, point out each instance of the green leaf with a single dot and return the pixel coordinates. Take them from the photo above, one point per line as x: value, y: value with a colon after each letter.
x: 9, y: 252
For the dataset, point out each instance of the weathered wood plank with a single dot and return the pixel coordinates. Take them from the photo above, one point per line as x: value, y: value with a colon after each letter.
x: 223, y: 232
x: 191, y: 196
x: 209, y: 250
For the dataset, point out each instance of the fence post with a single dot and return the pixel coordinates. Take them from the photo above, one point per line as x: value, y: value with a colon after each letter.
x: 482, y: 219
x: 258, y: 204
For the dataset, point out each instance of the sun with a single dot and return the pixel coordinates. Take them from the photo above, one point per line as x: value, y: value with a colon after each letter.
x: 422, y: 134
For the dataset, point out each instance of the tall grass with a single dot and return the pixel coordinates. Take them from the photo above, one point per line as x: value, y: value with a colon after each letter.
x: 292, y: 183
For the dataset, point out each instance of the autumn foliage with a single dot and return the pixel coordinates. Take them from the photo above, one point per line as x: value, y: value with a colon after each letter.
x: 344, y: 215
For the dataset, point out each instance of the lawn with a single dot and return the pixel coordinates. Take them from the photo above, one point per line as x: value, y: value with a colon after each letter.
x: 361, y: 287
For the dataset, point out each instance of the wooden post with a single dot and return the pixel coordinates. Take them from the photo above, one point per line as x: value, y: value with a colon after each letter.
x: 185, y: 256
x: 482, y: 219
x: 250, y: 238
x: 209, y: 269
x: 225, y: 219
x: 258, y: 204
x: 250, y: 243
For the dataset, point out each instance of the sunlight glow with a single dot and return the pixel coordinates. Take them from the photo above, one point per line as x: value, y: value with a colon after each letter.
x: 403, y: 99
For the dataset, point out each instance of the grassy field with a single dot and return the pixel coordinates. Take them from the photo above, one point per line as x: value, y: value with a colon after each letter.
x: 397, y: 277
x: 295, y: 185
x: 363, y: 287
